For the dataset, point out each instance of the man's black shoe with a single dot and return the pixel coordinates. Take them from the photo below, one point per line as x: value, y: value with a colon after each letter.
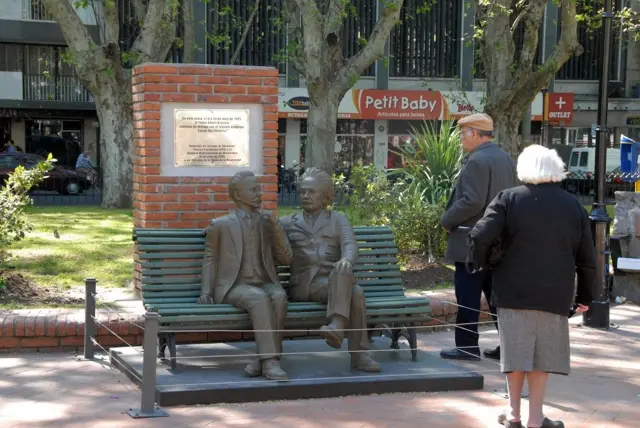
x: 494, y: 354
x: 458, y: 354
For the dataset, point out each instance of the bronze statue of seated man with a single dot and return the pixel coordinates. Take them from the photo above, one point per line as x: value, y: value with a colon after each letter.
x: 324, y: 253
x: 239, y: 268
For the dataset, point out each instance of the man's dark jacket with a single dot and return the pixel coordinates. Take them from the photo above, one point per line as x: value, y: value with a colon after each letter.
x: 487, y: 171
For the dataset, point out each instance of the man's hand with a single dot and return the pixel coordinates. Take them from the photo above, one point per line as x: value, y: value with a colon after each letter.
x: 582, y: 308
x: 344, y: 267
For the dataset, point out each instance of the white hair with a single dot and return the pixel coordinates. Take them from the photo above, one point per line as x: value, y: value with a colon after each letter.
x: 537, y: 165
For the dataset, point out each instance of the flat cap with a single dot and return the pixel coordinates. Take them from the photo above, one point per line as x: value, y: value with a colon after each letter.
x: 479, y: 121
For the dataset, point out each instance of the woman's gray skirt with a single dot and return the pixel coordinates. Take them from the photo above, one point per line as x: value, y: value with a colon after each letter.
x: 533, y: 341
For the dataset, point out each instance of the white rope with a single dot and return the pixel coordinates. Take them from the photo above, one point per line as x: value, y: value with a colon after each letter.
x: 377, y: 376
x: 318, y: 330
x: 108, y: 364
x: 115, y: 334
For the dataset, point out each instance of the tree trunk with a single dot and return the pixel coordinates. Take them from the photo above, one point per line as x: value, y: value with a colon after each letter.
x: 116, y: 137
x: 321, y: 133
x: 506, y: 126
x: 189, y: 47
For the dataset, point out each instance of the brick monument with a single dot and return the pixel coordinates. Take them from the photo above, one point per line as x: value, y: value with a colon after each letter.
x: 180, y: 177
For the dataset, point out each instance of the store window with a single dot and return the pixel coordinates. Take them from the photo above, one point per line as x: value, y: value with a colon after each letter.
x: 282, y: 141
x: 5, y: 132
x: 401, y: 132
x: 353, y: 146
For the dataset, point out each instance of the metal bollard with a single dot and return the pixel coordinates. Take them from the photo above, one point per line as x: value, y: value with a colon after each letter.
x: 148, y: 407
x: 89, y: 316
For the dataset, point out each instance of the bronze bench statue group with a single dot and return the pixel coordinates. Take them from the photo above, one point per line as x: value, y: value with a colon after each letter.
x: 239, y: 268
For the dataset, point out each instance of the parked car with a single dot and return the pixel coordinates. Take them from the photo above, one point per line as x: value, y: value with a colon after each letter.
x: 66, y: 152
x: 60, y: 179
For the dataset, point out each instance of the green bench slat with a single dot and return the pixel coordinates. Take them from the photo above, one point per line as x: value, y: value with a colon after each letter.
x: 310, y: 323
x: 160, y: 272
x: 376, y: 267
x: 172, y: 240
x: 160, y: 265
x: 321, y: 314
x: 160, y: 284
x: 381, y: 252
x: 156, y: 256
x: 171, y: 247
x: 170, y: 281
x: 378, y: 274
x: 195, y: 292
x: 194, y: 308
x: 367, y: 238
x: 381, y: 244
x: 294, y: 305
x: 150, y: 233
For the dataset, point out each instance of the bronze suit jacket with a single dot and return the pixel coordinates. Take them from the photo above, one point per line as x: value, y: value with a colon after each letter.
x: 223, y: 254
x: 330, y: 240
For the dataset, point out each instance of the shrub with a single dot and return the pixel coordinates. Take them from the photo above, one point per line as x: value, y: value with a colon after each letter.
x: 14, y: 199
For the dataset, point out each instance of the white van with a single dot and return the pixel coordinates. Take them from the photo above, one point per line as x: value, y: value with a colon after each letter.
x: 583, y: 160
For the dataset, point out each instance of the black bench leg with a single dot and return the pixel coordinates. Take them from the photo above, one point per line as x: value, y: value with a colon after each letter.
x: 162, y: 345
x: 413, y: 342
x: 395, y: 336
x: 370, y: 335
x: 172, y: 350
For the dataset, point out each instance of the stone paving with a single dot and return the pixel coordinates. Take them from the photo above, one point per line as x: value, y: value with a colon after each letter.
x: 59, y: 389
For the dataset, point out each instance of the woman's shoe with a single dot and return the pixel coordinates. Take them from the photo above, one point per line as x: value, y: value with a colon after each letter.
x: 502, y: 420
x: 548, y: 423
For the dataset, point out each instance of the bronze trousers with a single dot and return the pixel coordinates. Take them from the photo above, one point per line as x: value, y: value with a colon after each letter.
x: 343, y: 297
x: 267, y: 308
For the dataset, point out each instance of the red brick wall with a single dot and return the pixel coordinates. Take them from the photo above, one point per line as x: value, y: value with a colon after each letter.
x: 191, y: 202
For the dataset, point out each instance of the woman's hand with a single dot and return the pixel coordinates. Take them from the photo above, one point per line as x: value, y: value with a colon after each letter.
x: 582, y: 308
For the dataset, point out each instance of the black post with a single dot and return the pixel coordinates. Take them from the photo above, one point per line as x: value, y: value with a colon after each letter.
x: 545, y: 122
x: 598, y: 314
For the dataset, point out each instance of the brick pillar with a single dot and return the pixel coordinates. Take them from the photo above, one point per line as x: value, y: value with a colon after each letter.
x: 186, y: 201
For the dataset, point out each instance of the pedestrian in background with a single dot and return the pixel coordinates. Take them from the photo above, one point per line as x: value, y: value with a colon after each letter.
x: 487, y: 170
x: 546, y: 239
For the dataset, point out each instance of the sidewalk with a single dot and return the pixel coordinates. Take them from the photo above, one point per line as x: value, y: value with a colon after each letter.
x: 59, y: 389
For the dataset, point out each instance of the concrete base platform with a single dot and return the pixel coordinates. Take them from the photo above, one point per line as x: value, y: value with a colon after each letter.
x: 213, y: 373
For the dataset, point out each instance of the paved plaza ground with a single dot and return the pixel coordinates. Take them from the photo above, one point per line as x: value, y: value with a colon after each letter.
x: 58, y: 389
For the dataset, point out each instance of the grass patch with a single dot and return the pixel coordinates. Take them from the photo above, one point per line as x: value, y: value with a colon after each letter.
x: 94, y: 242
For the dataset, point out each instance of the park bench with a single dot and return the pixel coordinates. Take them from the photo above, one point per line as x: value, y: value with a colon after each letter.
x: 171, y: 267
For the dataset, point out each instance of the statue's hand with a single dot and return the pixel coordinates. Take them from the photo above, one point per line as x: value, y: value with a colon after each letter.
x: 344, y: 267
x: 205, y: 299
x: 271, y: 218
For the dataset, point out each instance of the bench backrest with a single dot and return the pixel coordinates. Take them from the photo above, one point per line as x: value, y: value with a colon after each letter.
x: 171, y: 264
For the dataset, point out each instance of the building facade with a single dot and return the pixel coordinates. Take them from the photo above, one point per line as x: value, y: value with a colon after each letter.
x: 431, y: 73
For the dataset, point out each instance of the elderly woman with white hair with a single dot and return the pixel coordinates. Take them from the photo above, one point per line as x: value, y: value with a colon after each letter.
x: 535, y: 237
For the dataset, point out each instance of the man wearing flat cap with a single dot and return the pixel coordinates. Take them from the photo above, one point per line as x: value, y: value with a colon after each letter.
x: 486, y: 171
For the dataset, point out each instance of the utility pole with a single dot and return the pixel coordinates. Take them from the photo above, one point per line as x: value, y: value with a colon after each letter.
x: 598, y: 314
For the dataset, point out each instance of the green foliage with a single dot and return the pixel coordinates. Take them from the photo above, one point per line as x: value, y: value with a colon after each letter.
x: 14, y: 199
x: 413, y: 202
x: 432, y: 160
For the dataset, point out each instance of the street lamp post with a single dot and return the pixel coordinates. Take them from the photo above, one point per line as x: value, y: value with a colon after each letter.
x: 598, y: 314
x: 545, y: 122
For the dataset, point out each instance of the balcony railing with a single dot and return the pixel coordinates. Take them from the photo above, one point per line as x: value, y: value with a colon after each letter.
x: 34, y: 10
x: 55, y: 88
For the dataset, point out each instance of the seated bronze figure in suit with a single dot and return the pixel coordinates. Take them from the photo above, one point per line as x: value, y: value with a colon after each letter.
x: 239, y: 268
x: 325, y: 251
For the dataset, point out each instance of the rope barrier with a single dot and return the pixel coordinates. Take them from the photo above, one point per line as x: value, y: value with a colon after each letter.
x: 135, y: 375
x: 462, y: 306
x: 115, y: 334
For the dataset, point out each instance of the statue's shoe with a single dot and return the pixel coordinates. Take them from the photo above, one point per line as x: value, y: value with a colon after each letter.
x: 271, y: 370
x: 361, y: 361
x: 333, y: 336
x: 253, y: 369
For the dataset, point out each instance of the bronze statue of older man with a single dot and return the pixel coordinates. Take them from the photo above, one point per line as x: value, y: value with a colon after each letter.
x: 325, y: 251
x: 238, y: 268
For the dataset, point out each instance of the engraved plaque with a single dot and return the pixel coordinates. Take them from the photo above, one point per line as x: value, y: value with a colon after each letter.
x: 211, y: 138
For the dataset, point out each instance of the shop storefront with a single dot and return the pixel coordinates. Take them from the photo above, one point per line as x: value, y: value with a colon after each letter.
x: 373, y: 123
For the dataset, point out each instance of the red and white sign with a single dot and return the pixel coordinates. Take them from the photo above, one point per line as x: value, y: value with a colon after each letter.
x: 559, y: 108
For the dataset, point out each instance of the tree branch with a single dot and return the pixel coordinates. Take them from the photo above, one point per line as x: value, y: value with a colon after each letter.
x: 312, y: 42
x: 527, y: 86
x: 533, y: 14
x: 106, y: 14
x: 295, y: 53
x: 80, y: 43
x: 140, y: 9
x: 188, y: 32
x: 157, y: 33
x: 245, y: 32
